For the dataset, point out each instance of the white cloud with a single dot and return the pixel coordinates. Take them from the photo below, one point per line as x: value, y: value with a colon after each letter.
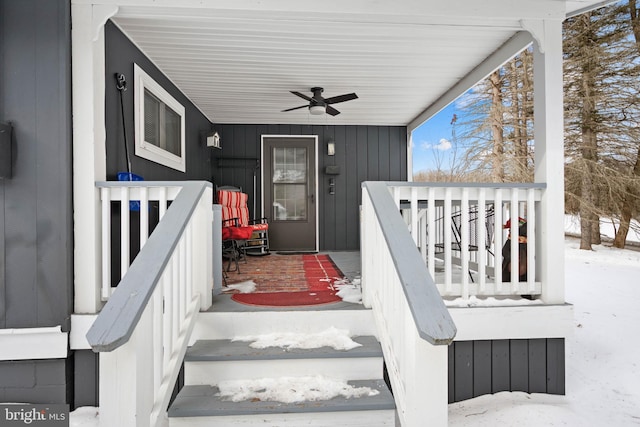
x: 443, y: 145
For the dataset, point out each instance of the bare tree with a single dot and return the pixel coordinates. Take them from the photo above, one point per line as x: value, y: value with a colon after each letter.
x: 598, y: 74
x: 497, y: 126
x: 602, y: 121
x: 632, y: 194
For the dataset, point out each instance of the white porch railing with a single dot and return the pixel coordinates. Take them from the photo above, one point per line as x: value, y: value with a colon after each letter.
x: 413, y: 324
x: 143, y: 331
x: 459, y: 231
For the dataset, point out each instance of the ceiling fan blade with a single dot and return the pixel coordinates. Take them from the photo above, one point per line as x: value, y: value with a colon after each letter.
x: 295, y: 108
x: 301, y: 95
x: 341, y: 98
x: 332, y: 111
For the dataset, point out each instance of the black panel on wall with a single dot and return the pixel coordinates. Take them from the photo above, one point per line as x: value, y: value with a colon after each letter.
x: 120, y: 55
x: 363, y: 153
x: 36, y: 241
x: 36, y: 232
x: 477, y: 368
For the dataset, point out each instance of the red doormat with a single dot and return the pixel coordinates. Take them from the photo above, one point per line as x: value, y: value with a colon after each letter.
x: 287, y: 299
x: 319, y: 274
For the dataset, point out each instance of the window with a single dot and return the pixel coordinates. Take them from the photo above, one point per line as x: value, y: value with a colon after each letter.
x: 159, y: 122
x: 290, y: 183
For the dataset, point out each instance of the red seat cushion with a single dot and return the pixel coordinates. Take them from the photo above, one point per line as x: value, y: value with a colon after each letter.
x: 260, y: 226
x: 236, y: 233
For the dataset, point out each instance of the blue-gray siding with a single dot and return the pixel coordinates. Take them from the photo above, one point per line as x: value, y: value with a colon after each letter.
x: 485, y: 367
x: 120, y: 55
x: 363, y: 153
x: 36, y: 241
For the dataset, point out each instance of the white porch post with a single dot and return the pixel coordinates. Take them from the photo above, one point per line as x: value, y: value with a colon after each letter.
x: 89, y: 158
x: 549, y: 155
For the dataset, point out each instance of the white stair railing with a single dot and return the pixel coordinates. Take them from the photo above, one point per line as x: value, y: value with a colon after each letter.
x: 143, y: 331
x: 458, y: 228
x: 123, y: 197
x: 413, y: 323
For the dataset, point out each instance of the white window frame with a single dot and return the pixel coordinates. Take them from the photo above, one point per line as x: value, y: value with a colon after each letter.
x: 146, y: 149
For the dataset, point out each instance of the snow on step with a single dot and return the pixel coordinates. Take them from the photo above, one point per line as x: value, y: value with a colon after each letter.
x: 212, y: 361
x: 202, y: 405
x: 227, y: 325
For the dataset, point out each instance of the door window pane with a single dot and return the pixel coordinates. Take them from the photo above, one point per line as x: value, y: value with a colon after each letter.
x: 290, y: 165
x: 290, y: 184
x: 290, y: 202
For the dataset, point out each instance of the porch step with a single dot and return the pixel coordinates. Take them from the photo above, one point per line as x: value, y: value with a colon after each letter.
x: 215, y: 325
x: 199, y: 406
x: 214, y: 357
x: 211, y: 361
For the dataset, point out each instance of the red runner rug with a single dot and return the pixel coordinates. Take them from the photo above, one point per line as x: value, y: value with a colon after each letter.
x: 319, y: 275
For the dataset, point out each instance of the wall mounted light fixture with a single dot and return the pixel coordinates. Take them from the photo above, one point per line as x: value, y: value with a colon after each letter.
x: 213, y: 140
x: 331, y: 148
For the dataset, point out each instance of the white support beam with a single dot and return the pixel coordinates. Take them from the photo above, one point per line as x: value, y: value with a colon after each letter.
x: 549, y: 157
x: 463, y: 10
x: 507, y: 51
x: 89, y: 155
x: 581, y: 8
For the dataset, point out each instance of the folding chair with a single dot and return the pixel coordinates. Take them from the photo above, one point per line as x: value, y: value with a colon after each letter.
x: 474, y: 244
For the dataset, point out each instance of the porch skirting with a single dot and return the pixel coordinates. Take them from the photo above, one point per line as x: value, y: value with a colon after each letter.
x: 36, y: 381
x: 484, y: 367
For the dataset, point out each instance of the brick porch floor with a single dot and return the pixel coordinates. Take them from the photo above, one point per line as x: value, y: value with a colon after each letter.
x: 281, y: 273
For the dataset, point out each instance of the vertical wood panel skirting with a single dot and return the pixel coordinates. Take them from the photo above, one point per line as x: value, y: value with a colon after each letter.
x: 477, y: 368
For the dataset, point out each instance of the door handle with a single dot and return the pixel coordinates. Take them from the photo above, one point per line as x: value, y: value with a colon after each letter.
x: 312, y: 197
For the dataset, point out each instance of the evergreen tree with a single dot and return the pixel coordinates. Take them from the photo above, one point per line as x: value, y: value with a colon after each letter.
x: 600, y: 103
x: 631, y: 195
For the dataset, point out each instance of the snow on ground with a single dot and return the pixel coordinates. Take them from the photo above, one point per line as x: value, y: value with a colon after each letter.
x: 87, y: 416
x: 602, y: 357
x: 608, y: 227
x: 474, y: 301
x: 331, y: 337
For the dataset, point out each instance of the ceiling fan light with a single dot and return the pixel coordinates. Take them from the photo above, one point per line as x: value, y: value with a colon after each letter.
x: 317, y: 110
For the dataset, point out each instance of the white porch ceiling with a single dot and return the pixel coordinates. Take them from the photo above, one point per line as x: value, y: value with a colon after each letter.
x: 238, y: 60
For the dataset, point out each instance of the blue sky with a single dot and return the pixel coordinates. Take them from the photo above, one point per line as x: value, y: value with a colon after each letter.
x: 432, y: 142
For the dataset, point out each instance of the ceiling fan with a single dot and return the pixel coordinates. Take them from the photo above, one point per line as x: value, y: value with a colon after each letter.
x: 319, y: 105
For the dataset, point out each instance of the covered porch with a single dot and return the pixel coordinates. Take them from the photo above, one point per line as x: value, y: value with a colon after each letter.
x: 422, y: 336
x: 415, y: 255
